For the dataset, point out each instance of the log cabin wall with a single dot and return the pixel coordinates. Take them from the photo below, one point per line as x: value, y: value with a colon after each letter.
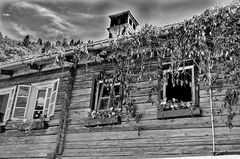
x: 150, y: 137
x: 37, y: 143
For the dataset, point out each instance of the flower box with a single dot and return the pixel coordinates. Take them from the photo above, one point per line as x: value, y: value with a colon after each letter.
x: 100, y: 122
x: 190, y: 112
x: 36, y: 125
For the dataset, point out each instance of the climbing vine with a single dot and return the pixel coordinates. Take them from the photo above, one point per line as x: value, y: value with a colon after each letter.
x: 210, y: 40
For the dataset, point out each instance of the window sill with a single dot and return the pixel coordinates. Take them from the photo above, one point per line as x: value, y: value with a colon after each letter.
x: 36, y: 125
x: 178, y: 113
x: 100, y: 122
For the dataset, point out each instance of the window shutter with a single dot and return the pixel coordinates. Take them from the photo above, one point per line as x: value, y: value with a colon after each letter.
x: 9, y: 104
x: 21, y: 102
x: 53, y: 98
x: 93, y: 92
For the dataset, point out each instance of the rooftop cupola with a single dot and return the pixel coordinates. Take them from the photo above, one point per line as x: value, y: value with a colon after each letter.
x: 123, y: 23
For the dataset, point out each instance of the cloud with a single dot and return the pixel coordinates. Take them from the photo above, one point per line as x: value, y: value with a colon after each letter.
x: 59, y: 22
x: 88, y: 19
x: 26, y: 17
x: 22, y: 30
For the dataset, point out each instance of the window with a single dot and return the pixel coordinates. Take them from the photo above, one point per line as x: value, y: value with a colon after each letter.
x: 105, y: 103
x: 130, y: 22
x: 134, y: 27
x: 106, y: 95
x: 179, y: 91
x: 179, y: 96
x: 35, y: 101
x: 6, y: 100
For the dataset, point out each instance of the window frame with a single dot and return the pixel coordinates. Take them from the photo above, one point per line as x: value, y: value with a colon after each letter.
x: 193, y: 90
x: 11, y: 93
x: 38, y: 88
x: 100, y: 97
x: 95, y: 95
x: 32, y: 98
x: 15, y: 102
x: 193, y: 110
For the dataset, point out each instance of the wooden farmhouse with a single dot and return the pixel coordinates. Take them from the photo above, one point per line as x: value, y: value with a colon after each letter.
x: 100, y: 107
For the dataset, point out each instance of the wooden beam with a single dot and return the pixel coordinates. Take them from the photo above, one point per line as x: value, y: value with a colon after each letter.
x: 7, y: 72
x: 35, y: 66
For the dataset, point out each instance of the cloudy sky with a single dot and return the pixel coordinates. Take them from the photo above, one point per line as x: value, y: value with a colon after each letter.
x: 88, y: 19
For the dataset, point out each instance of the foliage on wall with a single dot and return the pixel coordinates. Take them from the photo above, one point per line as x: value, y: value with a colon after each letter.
x: 211, y: 40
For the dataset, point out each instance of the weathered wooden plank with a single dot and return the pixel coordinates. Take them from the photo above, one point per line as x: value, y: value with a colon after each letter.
x: 133, y: 135
x: 191, y: 132
x: 81, y: 85
x: 4, y: 138
x: 125, y: 151
x: 81, y: 91
x: 16, y: 133
x: 27, y: 146
x: 177, y: 142
x: 79, y: 105
x: 25, y: 153
x: 143, y: 124
x: 81, y: 98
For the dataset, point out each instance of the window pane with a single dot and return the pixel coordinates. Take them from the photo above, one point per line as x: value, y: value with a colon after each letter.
x: 21, y: 102
x: 179, y: 87
x: 19, y: 113
x: 46, y: 107
x: 23, y: 91
x: 37, y: 114
x: 106, y: 91
x: 117, y: 89
x: 47, y: 104
x: 103, y: 104
x: 53, y: 97
x: 39, y: 105
x: 116, y: 102
x: 51, y: 109
x: 55, y: 86
x: 49, y: 92
x: 3, y: 105
x: 41, y: 94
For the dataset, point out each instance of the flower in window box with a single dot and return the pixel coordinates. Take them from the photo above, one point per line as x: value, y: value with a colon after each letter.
x: 183, y: 104
x: 93, y: 115
x: 175, y: 106
x: 164, y: 102
x: 174, y: 100
x: 188, y: 104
